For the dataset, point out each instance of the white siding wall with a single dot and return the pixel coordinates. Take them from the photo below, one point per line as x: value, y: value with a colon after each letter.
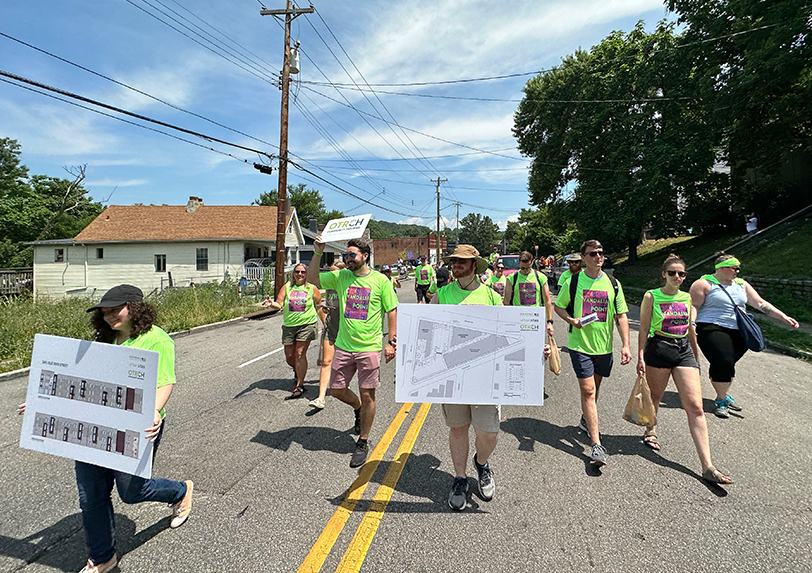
x: 132, y: 263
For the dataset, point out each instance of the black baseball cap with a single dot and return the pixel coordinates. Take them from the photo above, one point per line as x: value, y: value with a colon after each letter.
x: 119, y: 295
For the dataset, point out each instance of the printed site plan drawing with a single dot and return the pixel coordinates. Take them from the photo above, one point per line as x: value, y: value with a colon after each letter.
x: 91, y: 402
x: 466, y: 354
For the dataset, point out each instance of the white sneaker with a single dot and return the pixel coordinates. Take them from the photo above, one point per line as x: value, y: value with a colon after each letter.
x: 183, y: 508
x: 317, y: 403
x: 101, y: 567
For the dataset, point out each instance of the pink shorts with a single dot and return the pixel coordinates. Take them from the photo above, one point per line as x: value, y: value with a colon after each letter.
x: 345, y: 364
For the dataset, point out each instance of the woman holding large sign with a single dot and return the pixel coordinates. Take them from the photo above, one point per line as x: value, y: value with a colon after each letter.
x: 123, y: 318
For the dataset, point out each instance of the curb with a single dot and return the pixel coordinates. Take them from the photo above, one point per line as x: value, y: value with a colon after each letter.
x: 181, y: 333
x: 789, y: 350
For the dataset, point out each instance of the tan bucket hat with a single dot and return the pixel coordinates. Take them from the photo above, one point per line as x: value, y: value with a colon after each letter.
x: 468, y: 252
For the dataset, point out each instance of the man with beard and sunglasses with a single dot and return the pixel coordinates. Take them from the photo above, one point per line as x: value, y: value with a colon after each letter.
x: 590, y: 302
x: 364, y: 296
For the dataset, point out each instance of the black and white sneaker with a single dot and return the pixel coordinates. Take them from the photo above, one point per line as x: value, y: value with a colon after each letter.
x: 582, y: 425
x: 359, y: 456
x: 599, y: 457
x: 487, y: 486
x: 458, y: 497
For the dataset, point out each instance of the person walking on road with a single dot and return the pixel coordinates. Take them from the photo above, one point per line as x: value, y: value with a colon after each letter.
x: 364, y: 296
x: 590, y: 302
x: 423, y: 275
x: 330, y: 319
x: 467, y: 265
x: 499, y: 281
x: 528, y: 287
x: 574, y: 264
x: 715, y: 297
x: 298, y: 300
x: 123, y: 318
x: 387, y: 272
x: 668, y: 349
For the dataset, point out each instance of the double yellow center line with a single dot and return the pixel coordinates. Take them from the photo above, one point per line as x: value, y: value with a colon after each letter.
x: 356, y: 552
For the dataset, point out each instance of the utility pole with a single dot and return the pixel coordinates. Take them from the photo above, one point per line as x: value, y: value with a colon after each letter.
x: 457, y: 233
x: 282, y: 208
x: 438, y: 216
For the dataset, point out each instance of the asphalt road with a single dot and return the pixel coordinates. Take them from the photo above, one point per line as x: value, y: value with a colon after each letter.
x: 271, y: 476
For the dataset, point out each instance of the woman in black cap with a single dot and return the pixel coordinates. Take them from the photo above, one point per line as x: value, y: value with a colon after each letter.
x: 123, y: 318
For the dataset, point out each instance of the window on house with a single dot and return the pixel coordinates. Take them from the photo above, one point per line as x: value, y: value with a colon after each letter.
x: 160, y: 263
x: 202, y: 260
x: 59, y: 255
x: 99, y: 253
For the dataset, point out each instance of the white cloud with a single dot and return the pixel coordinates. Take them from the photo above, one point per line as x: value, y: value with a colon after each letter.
x: 503, y: 224
x: 116, y: 183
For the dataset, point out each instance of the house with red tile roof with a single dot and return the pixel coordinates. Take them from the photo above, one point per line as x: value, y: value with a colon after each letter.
x: 154, y: 246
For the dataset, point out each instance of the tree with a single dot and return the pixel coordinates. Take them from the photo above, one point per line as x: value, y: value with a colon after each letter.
x: 756, y: 75
x: 39, y: 207
x: 479, y: 231
x: 309, y: 204
x: 610, y: 132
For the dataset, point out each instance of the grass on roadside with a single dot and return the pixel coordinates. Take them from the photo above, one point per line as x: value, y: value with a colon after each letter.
x: 178, y: 309
x: 792, y: 338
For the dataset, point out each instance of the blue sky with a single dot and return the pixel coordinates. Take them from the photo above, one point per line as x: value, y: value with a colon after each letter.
x: 392, y: 42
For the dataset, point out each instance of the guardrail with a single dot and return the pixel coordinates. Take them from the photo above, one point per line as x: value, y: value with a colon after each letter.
x: 16, y: 281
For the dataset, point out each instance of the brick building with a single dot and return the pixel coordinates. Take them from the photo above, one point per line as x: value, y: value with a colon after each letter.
x: 388, y: 251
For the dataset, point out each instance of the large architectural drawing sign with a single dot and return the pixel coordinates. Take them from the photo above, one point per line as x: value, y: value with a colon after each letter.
x: 469, y: 354
x: 91, y: 402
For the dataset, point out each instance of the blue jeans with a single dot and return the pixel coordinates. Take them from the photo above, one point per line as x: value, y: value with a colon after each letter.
x: 95, y: 484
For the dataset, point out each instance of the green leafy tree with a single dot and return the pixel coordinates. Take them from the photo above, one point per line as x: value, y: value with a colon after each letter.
x: 309, y: 204
x: 612, y: 132
x: 479, y: 231
x: 38, y: 208
x: 756, y: 74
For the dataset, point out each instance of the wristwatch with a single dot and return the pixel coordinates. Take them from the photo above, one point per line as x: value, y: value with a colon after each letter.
x: 549, y: 320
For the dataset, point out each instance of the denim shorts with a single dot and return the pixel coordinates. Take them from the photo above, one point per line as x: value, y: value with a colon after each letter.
x: 666, y: 352
x: 587, y: 365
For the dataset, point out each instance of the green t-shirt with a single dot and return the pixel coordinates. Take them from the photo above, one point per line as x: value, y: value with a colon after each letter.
x: 158, y: 341
x: 593, y: 295
x: 453, y: 294
x: 527, y: 289
x: 363, y: 302
x: 423, y: 274
x: 563, y: 278
x: 299, y: 309
x: 498, y: 284
x: 670, y: 314
x: 433, y: 288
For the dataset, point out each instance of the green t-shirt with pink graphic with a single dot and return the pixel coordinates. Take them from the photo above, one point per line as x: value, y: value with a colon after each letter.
x: 527, y: 289
x: 670, y: 314
x: 423, y: 274
x: 593, y: 296
x: 498, y: 284
x: 299, y: 309
x: 362, y: 302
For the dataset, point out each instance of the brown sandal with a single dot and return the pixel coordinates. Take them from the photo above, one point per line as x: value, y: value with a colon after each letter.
x: 650, y: 440
x: 715, y: 476
x: 298, y: 392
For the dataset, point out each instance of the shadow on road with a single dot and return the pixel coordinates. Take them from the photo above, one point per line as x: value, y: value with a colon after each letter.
x: 61, y: 545
x: 671, y: 400
x: 314, y: 439
x: 270, y: 385
x: 421, y: 478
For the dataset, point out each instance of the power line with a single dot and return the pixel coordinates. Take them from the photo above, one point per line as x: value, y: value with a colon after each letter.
x: 446, y: 82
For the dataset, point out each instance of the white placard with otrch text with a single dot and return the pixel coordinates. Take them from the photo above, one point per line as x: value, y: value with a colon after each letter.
x: 346, y: 228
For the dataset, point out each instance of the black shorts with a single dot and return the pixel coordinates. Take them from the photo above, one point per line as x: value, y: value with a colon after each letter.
x: 422, y: 292
x: 723, y: 347
x: 666, y: 352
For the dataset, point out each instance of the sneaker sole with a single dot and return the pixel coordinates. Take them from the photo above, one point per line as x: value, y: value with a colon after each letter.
x: 722, y: 414
x: 598, y: 463
x: 456, y: 508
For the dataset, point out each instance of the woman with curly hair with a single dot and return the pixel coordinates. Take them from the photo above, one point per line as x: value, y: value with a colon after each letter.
x: 668, y: 349
x: 123, y: 318
x: 298, y: 300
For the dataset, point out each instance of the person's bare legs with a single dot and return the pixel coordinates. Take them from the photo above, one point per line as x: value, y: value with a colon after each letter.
x: 485, y: 443
x: 301, y: 361
x: 589, y: 405
x: 327, y: 351
x: 367, y: 411
x: 657, y: 379
x: 458, y: 443
x: 722, y: 389
x: 347, y: 396
x: 689, y: 387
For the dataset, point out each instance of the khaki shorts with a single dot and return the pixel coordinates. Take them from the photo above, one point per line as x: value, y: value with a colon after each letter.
x: 303, y: 333
x: 484, y: 418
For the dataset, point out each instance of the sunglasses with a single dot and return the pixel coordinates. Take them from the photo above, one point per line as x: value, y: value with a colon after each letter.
x: 595, y: 254
x: 682, y: 274
x: 500, y: 268
x: 734, y: 269
x: 458, y: 261
x: 299, y: 272
x: 353, y: 255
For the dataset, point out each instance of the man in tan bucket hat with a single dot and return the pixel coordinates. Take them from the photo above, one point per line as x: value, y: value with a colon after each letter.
x: 467, y: 265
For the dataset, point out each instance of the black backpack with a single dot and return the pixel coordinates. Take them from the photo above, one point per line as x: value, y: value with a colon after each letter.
x: 513, y: 284
x: 574, y: 289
